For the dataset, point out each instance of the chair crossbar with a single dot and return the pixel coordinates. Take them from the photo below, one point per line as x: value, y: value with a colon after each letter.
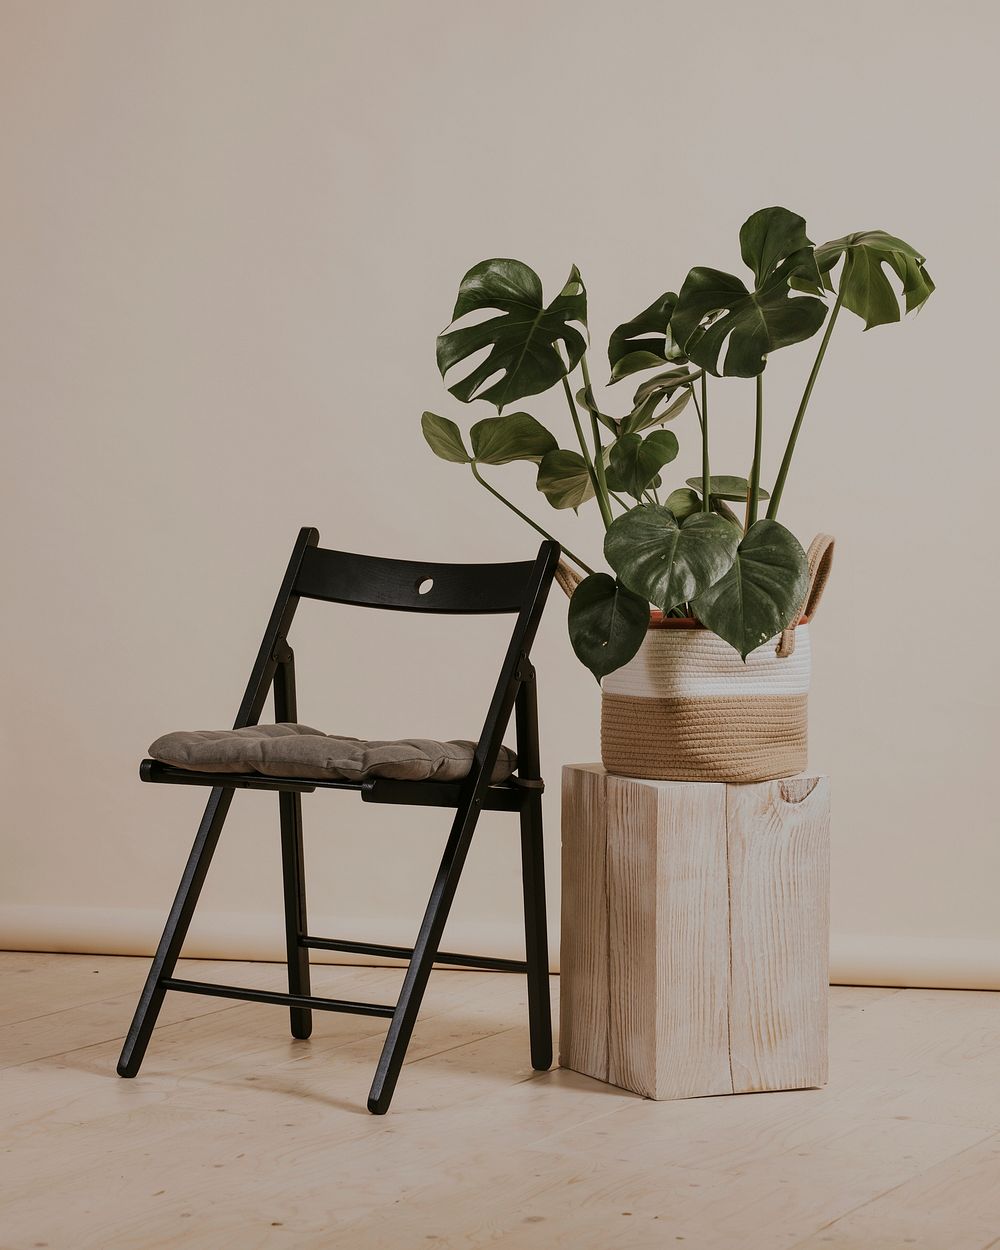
x: 270, y: 996
x: 406, y: 952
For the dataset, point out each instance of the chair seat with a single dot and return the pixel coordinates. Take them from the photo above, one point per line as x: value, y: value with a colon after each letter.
x: 289, y: 750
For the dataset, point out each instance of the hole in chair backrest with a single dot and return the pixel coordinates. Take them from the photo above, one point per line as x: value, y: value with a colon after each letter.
x: 424, y: 585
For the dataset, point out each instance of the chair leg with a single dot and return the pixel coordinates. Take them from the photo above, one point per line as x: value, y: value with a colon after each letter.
x: 175, y: 931
x: 535, y: 935
x: 294, y: 879
x: 425, y: 949
x: 533, y: 876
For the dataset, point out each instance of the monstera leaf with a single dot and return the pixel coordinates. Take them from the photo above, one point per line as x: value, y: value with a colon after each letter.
x: 683, y: 503
x: 724, y: 486
x: 864, y: 284
x: 444, y: 438
x: 585, y: 398
x: 518, y: 436
x: 607, y: 623
x: 723, y: 509
x: 761, y: 593
x: 668, y: 562
x: 717, y: 313
x: 521, y: 338
x: 646, y: 341
x: 646, y: 411
x: 645, y: 414
x: 564, y: 480
x: 664, y: 384
x: 646, y: 401
x: 636, y: 461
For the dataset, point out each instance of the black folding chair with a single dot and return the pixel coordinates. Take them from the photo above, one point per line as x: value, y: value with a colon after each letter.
x: 339, y: 577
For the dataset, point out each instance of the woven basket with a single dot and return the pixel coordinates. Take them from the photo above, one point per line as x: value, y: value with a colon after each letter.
x: 687, y: 708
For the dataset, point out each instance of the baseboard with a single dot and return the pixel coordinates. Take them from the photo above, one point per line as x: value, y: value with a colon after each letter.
x: 855, y: 959
x: 945, y: 963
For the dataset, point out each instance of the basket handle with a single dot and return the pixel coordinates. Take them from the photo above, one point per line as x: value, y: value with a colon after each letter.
x: 820, y: 561
x: 567, y: 578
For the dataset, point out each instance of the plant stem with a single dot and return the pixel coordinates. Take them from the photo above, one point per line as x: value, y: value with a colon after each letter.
x: 585, y: 370
x: 786, y: 459
x: 706, y: 477
x: 534, y: 524
x: 602, y: 501
x: 758, y: 438
x: 602, y: 484
x: 697, y: 408
x: 579, y: 429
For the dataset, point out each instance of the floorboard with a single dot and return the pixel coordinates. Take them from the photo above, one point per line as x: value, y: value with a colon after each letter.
x: 234, y: 1134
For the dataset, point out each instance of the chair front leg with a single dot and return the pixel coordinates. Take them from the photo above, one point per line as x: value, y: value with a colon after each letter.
x: 533, y: 874
x: 175, y: 931
x: 293, y: 872
x: 535, y: 934
x: 425, y: 950
x: 296, y: 928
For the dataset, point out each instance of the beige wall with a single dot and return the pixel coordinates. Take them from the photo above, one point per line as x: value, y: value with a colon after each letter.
x: 230, y: 232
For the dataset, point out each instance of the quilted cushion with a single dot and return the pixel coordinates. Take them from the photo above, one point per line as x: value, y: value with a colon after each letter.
x: 298, y: 751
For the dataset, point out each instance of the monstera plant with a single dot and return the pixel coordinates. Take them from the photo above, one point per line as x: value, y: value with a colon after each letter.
x: 687, y: 551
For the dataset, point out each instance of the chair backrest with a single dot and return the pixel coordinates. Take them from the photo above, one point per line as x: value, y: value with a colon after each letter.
x: 315, y: 572
x: 412, y: 585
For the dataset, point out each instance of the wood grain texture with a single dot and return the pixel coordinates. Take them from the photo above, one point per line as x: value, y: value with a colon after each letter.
x: 583, y: 1022
x: 630, y: 869
x: 957, y: 1201
x: 669, y: 938
x: 235, y: 1135
x: 695, y: 933
x: 692, y: 941
x: 779, y: 878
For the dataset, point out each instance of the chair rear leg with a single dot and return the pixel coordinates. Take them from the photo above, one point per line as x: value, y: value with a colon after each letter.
x: 535, y: 934
x: 175, y: 931
x: 533, y: 874
x: 425, y: 950
x: 296, y: 928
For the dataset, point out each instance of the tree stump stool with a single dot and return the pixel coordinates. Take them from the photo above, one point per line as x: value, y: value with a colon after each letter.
x: 695, y: 933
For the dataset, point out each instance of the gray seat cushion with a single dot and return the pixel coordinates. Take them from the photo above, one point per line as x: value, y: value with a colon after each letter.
x: 298, y: 751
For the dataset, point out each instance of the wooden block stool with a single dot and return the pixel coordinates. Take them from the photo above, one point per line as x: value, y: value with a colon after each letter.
x: 695, y: 923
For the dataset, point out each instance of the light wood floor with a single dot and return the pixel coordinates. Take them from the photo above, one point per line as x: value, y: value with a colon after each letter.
x: 236, y: 1136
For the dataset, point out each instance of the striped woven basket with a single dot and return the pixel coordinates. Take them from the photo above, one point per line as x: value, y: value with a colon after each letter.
x: 687, y: 708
